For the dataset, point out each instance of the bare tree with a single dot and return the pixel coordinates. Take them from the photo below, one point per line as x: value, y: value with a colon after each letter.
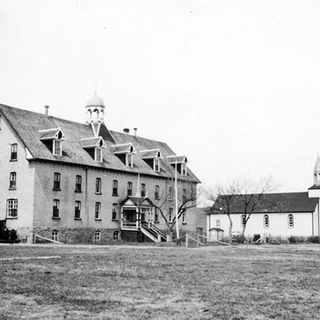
x: 188, y: 197
x: 240, y: 196
x: 223, y: 200
x: 249, y: 195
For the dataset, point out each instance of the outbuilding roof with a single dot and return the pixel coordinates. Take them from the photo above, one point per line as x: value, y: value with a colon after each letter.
x: 27, y: 124
x: 271, y: 203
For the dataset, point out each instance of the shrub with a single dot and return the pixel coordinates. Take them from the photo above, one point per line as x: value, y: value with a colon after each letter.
x: 314, y: 239
x: 295, y: 239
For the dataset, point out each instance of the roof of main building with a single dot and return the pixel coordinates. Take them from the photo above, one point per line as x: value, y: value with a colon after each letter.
x: 271, y: 203
x: 27, y: 124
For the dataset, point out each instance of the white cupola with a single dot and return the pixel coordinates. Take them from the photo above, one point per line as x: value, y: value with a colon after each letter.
x: 95, y: 113
x: 95, y: 110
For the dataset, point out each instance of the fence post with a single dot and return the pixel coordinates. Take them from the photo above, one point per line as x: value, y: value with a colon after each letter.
x: 198, y: 240
x: 187, y: 239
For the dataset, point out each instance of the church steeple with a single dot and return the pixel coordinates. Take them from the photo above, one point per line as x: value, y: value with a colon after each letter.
x: 316, y: 172
x: 95, y: 113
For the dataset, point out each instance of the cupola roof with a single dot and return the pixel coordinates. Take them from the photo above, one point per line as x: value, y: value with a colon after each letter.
x: 95, y: 101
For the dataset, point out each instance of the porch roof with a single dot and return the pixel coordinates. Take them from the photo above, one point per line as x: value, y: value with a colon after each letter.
x: 137, y: 202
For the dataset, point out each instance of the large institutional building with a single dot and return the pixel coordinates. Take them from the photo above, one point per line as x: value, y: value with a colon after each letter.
x: 74, y: 182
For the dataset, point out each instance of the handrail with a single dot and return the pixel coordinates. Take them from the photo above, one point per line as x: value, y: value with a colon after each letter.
x: 145, y: 230
x: 129, y: 224
x: 153, y: 227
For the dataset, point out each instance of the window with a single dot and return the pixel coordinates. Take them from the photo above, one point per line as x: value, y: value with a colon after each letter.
x: 94, y: 147
x: 57, y: 150
x: 97, y: 211
x: 156, y: 215
x: 266, y: 221
x: 184, y: 216
x: 115, y: 187
x: 78, y: 183
x: 129, y: 160
x: 98, y: 186
x: 55, y: 211
x: 114, y: 211
x: 143, y: 190
x: 290, y: 221
x: 77, y: 210
x: 129, y: 189
x: 116, y: 235
x: 184, y: 195
x: 156, y: 192
x: 56, y: 181
x: 170, y: 196
x: 156, y: 164
x: 218, y: 223
x: 124, y: 153
x: 52, y: 139
x: 170, y: 214
x: 243, y: 221
x: 144, y: 214
x: 183, y: 169
x: 97, y: 236
x: 98, y: 154
x: 55, y: 235
x: 12, y: 208
x: 13, y: 180
x: 14, y: 152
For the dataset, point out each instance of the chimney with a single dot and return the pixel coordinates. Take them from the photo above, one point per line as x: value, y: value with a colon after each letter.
x: 47, y: 109
x: 135, y: 131
x: 126, y: 130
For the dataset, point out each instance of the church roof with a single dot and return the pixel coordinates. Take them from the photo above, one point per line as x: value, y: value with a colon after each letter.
x: 28, y: 124
x: 271, y: 203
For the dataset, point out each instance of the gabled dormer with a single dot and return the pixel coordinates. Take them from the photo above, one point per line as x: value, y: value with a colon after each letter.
x: 52, y: 139
x: 153, y: 158
x: 180, y: 163
x: 94, y: 146
x: 124, y: 152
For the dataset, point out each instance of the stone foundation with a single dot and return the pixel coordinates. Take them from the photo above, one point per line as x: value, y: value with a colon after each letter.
x: 134, y: 236
x: 80, y: 235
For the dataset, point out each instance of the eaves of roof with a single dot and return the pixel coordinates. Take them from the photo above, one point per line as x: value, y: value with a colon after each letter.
x: 290, y: 202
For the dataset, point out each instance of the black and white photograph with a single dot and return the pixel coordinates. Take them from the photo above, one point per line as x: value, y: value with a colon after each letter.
x: 160, y: 159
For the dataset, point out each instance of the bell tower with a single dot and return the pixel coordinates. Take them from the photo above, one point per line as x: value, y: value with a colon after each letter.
x: 316, y: 172
x: 95, y: 110
x: 314, y: 191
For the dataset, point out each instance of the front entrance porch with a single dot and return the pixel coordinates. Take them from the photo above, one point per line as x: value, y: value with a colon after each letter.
x: 137, y: 217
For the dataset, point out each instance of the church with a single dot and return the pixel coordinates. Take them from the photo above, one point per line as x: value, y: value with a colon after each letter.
x: 290, y: 216
x: 81, y: 182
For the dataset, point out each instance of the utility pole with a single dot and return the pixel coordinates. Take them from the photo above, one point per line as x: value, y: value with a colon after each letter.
x: 176, y: 199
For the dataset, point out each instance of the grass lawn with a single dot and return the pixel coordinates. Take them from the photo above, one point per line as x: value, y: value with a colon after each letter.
x: 98, y: 282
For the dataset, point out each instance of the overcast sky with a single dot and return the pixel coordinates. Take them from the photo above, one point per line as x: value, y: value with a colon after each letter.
x: 233, y: 85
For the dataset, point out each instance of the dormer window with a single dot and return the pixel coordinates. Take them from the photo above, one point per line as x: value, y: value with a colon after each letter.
x: 52, y: 138
x: 179, y: 163
x: 94, y: 146
x: 98, y: 154
x: 156, y: 164
x: 152, y: 158
x: 125, y: 153
x: 57, y: 148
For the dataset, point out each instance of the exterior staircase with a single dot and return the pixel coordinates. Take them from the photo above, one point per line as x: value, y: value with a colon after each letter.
x: 152, y: 232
